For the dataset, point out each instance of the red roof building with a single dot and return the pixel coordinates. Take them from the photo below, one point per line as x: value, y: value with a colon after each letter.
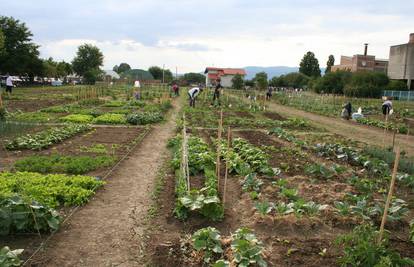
x: 225, y: 75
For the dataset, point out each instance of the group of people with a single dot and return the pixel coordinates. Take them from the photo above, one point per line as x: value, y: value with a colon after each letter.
x: 195, y: 91
x: 347, y: 110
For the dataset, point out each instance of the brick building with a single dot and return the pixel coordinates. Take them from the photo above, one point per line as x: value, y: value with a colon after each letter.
x: 401, y: 65
x: 363, y: 62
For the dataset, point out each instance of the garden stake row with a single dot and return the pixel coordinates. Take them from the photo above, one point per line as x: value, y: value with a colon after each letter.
x: 184, y: 156
x: 227, y: 164
x: 219, y: 148
x: 390, y: 193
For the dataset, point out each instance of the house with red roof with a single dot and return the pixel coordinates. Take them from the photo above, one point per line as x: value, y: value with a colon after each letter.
x: 225, y: 75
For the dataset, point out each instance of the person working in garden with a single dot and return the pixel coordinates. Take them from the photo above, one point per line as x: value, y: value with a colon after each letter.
x: 386, y: 107
x: 347, y: 111
x: 175, y: 89
x: 192, y: 93
x: 137, y: 87
x: 269, y: 93
x: 216, y: 94
x: 9, y: 84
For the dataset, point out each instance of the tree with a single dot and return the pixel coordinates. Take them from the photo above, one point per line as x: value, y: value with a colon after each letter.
x: 115, y: 68
x: 332, y: 82
x: 87, y: 62
x: 193, y: 77
x: 366, y: 84
x: 49, y: 68
x: 309, y: 65
x: 278, y: 81
x: 123, y: 67
x: 64, y: 69
x: 296, y: 80
x: 20, y: 56
x: 157, y: 73
x: 261, y: 80
x: 238, y: 82
x: 330, y: 63
x: 1, y: 41
x: 397, y: 85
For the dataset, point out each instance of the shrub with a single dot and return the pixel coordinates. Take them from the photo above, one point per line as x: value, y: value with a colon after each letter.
x: 62, y: 164
x: 51, y: 190
x: 77, y: 118
x: 332, y: 82
x: 110, y: 118
x: 397, y: 85
x: 144, y: 118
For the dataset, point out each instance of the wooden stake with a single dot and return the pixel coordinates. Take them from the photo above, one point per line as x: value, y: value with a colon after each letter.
x: 393, y: 139
x: 219, y: 148
x: 390, y: 193
x: 227, y: 163
x: 385, y: 130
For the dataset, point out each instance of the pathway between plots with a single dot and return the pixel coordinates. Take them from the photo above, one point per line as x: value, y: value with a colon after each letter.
x: 107, y: 231
x: 349, y: 129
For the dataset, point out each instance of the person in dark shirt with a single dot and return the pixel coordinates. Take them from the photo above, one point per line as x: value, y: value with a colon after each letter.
x: 216, y: 94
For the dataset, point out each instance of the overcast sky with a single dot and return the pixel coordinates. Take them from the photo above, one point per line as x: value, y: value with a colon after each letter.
x: 192, y: 34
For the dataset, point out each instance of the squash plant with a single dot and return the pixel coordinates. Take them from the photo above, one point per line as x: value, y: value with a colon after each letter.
x: 247, y: 248
x: 10, y: 258
x: 207, y: 240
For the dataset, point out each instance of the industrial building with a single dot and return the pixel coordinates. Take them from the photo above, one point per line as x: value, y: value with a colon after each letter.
x: 401, y: 66
x: 363, y: 62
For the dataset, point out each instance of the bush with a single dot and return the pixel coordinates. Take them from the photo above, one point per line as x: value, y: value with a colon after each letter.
x: 110, y: 118
x: 366, y: 84
x: 332, y: 82
x: 62, y: 164
x: 396, y: 85
x: 77, y: 118
x: 144, y: 118
x: 52, y: 190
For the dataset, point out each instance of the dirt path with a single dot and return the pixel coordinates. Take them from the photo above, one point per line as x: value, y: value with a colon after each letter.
x: 362, y: 133
x: 107, y: 231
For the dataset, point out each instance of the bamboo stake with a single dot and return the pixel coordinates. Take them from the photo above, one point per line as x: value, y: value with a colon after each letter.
x: 219, y: 148
x: 385, y: 130
x: 390, y: 193
x: 227, y: 163
x: 393, y: 139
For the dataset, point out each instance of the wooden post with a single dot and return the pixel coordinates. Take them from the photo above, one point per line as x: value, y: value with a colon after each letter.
x: 227, y: 163
x: 390, y: 193
x: 184, y: 161
x: 219, y: 148
x: 385, y: 130
x: 393, y: 139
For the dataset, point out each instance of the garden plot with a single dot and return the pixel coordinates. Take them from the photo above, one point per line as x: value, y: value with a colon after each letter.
x: 299, y: 213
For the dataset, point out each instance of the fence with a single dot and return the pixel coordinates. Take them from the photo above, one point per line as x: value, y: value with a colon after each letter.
x: 400, y: 95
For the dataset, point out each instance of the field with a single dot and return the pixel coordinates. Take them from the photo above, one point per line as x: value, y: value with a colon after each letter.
x: 240, y: 184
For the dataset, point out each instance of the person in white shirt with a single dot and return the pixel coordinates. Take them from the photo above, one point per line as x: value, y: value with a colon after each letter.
x: 386, y: 107
x: 192, y: 93
x: 9, y: 84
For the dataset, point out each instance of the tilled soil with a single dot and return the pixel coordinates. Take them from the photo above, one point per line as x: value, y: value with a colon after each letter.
x: 108, y: 230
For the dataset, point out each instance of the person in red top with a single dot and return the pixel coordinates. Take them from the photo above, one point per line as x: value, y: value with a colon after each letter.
x: 176, y: 89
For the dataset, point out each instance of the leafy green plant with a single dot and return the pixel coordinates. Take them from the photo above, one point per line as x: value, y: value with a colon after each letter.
x: 34, y: 117
x: 110, y: 118
x: 264, y: 207
x: 114, y: 104
x: 362, y: 249
x: 289, y: 193
x: 221, y: 263
x: 144, y: 118
x: 209, y: 206
x: 343, y: 208
x: 251, y: 183
x: 77, y: 118
x: 320, y: 171
x: 10, y: 258
x: 284, y: 209
x: 97, y: 148
x: 247, y: 248
x: 52, y: 190
x: 46, y: 138
x: 62, y: 164
x: 208, y: 241
x: 20, y: 215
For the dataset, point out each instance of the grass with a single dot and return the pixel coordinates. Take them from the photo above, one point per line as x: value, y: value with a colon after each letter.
x: 110, y: 118
x: 77, y: 118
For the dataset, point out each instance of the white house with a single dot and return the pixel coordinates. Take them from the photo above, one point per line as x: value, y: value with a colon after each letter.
x: 225, y: 75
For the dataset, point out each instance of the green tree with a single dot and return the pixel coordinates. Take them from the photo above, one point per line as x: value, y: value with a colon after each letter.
x: 278, y: 81
x: 49, y: 68
x: 123, y: 67
x: 396, y: 85
x: 332, y: 82
x: 366, y: 84
x: 260, y: 80
x: 193, y: 77
x: 20, y: 55
x: 115, y: 68
x: 156, y: 72
x: 87, y: 62
x: 309, y: 65
x: 296, y: 80
x: 330, y: 63
x: 64, y: 69
x: 238, y: 82
x: 1, y: 41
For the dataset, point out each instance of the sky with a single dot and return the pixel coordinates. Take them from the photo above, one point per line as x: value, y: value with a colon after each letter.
x: 189, y: 35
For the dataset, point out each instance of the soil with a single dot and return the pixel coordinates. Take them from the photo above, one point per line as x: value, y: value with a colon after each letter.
x: 274, y: 116
x: 33, y: 105
x: 108, y: 230
x: 349, y: 129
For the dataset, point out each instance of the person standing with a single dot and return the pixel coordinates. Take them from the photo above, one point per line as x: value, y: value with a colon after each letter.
x: 347, y: 111
x: 176, y: 89
x: 137, y: 90
x: 269, y: 93
x: 216, y: 94
x: 192, y: 94
x: 9, y: 84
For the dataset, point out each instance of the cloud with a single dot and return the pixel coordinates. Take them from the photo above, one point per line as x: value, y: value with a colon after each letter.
x: 191, y: 34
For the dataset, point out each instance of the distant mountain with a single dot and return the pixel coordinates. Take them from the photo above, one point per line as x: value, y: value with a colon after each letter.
x: 271, y: 71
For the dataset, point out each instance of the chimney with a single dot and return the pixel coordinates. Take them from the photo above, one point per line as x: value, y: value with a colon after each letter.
x: 411, y: 38
x: 366, y: 50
